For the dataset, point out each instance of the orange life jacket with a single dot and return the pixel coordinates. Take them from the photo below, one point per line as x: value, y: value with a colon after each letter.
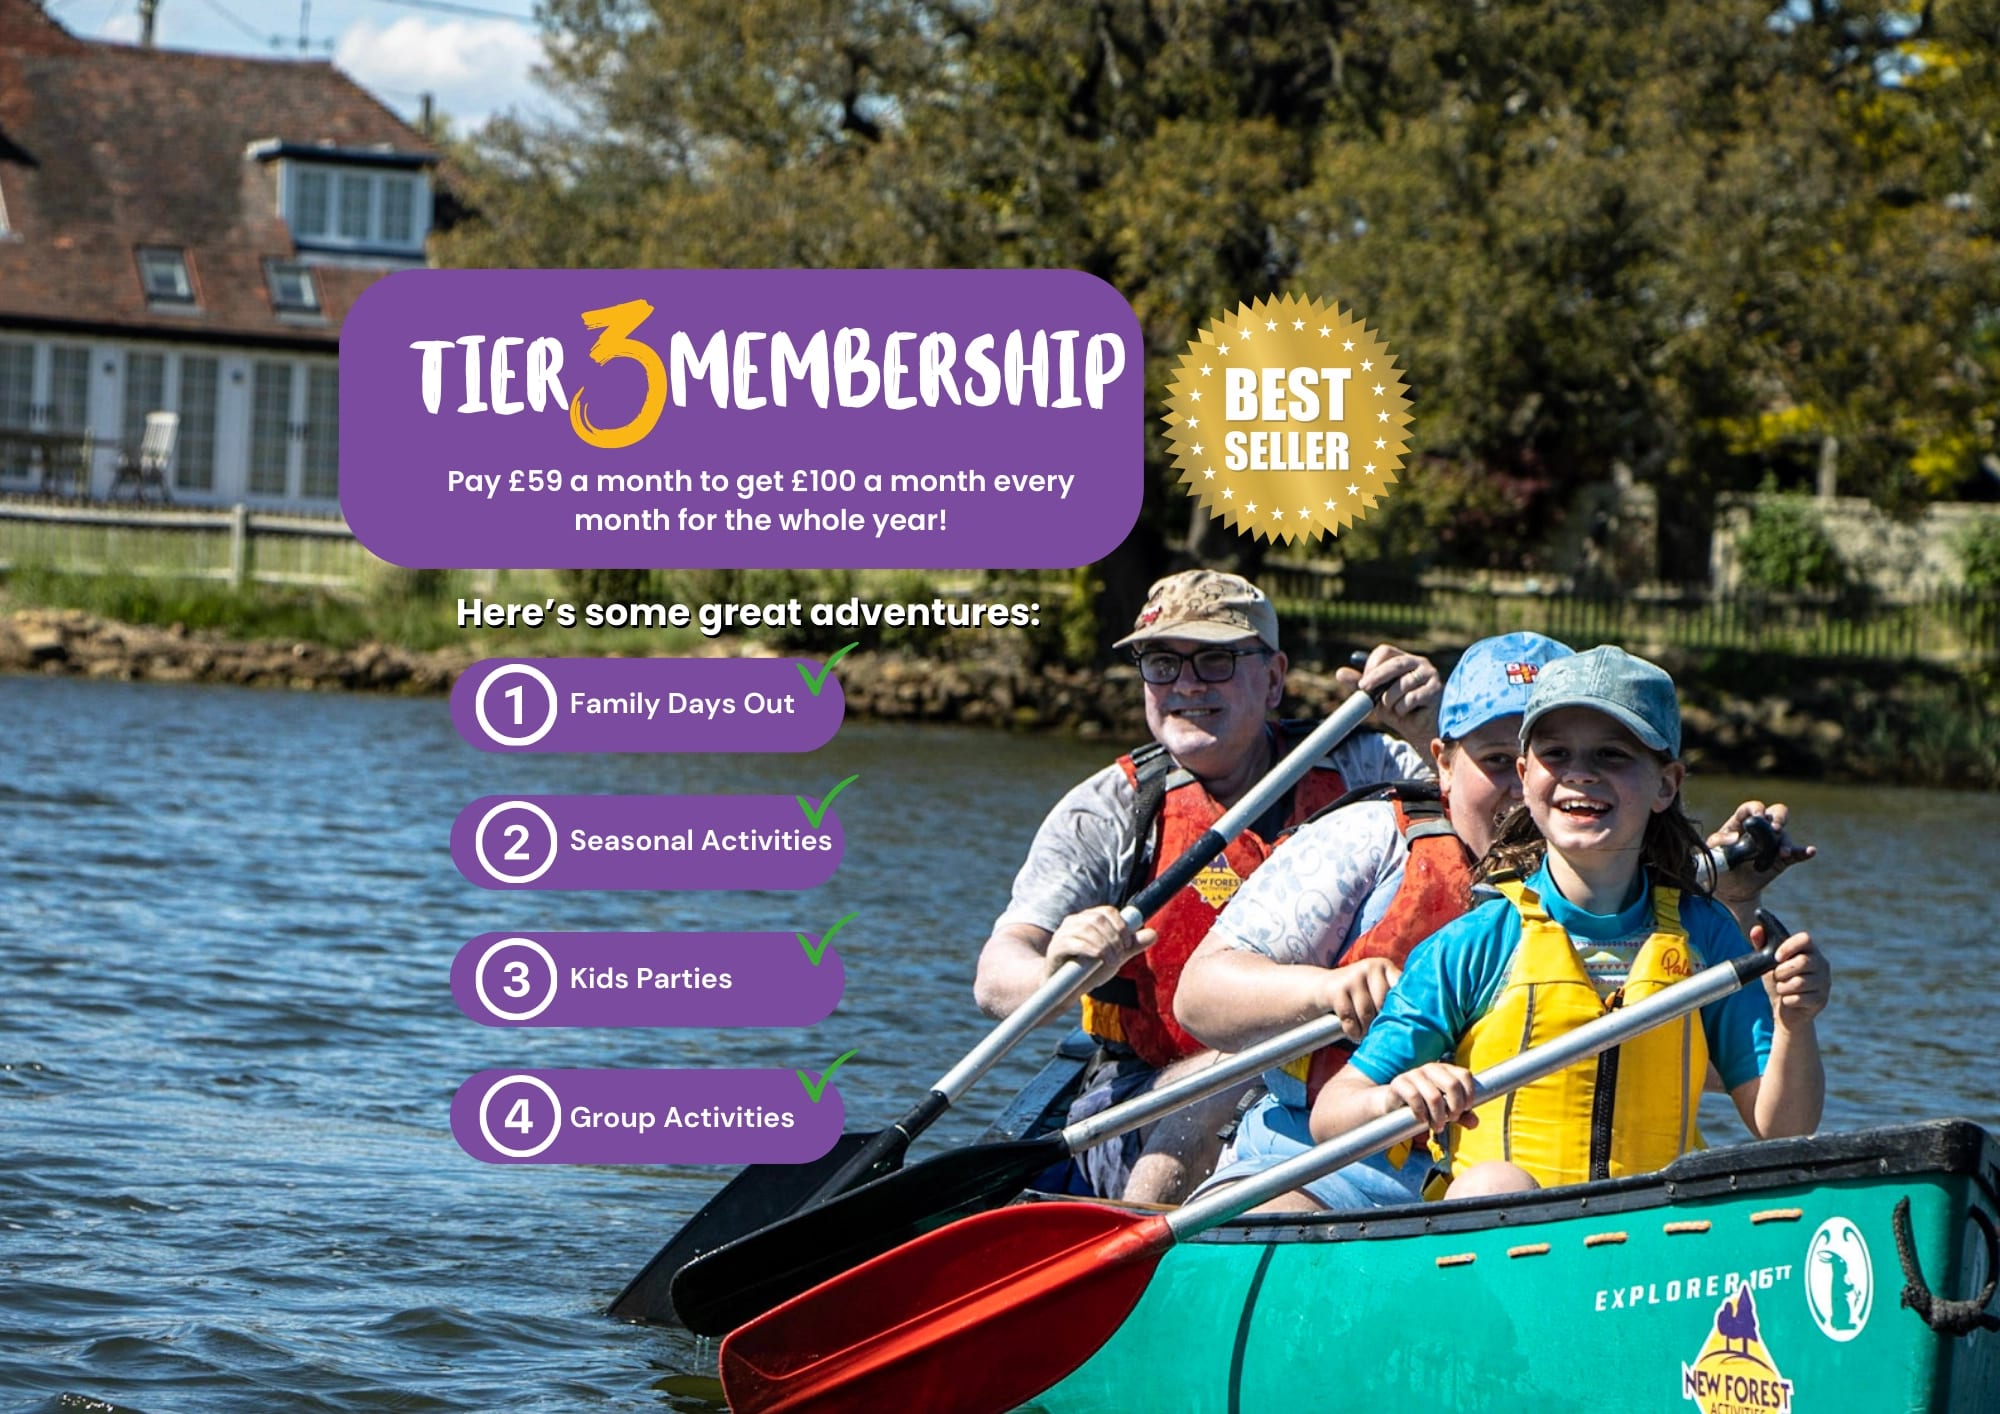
x: 1436, y: 888
x: 1136, y: 1007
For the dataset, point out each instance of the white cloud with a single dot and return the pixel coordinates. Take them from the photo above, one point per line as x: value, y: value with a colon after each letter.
x: 475, y: 68
x: 124, y: 28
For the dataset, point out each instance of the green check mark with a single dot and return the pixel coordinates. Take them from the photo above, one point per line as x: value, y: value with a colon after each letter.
x: 816, y: 1088
x: 816, y: 681
x: 817, y: 813
x: 814, y: 952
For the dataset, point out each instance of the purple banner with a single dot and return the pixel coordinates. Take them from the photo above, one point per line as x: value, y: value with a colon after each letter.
x: 741, y: 418
x: 648, y: 841
x: 647, y: 704
x: 648, y: 979
x: 646, y: 1116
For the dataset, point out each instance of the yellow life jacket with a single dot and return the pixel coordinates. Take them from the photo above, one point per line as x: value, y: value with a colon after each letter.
x: 1631, y: 1109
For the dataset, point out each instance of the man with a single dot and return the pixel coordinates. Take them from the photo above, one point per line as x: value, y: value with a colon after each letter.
x: 1207, y: 648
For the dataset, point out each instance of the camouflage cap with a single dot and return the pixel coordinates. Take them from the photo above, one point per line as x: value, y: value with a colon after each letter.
x: 1206, y: 606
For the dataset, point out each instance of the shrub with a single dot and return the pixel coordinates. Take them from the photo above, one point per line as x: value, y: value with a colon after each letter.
x: 1785, y: 549
x: 1978, y: 550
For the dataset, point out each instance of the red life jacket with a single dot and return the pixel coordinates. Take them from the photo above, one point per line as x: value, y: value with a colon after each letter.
x: 1436, y: 888
x: 1137, y: 1006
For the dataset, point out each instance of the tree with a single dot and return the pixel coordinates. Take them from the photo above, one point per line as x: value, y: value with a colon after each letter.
x: 1704, y: 239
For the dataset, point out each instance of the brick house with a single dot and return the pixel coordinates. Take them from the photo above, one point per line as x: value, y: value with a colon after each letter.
x: 185, y: 232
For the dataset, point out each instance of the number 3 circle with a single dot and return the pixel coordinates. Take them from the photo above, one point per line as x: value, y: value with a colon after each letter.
x: 516, y: 986
x: 517, y: 849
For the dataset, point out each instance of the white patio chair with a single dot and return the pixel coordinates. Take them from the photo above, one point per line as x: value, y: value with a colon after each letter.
x: 142, y: 470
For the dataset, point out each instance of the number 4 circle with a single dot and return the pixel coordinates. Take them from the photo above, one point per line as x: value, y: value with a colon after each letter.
x: 517, y: 836
x: 514, y: 712
x: 520, y: 1117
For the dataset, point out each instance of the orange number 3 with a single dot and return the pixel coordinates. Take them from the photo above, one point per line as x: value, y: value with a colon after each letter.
x: 618, y: 323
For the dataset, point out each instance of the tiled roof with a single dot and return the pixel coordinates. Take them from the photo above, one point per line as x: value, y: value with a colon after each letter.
x: 105, y: 148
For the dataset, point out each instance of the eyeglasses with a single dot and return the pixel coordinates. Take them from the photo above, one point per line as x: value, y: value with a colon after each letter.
x: 1161, y: 666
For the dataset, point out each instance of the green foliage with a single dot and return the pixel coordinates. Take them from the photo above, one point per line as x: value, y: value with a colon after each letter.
x: 1702, y: 238
x: 1978, y: 551
x: 1785, y: 549
x: 610, y: 586
x: 299, y: 615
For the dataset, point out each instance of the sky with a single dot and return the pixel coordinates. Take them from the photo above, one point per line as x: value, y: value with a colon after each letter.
x: 474, y: 55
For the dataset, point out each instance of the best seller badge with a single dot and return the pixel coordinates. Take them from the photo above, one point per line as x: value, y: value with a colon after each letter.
x: 1287, y: 418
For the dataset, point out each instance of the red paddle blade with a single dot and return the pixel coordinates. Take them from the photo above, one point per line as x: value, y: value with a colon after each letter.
x: 971, y: 1319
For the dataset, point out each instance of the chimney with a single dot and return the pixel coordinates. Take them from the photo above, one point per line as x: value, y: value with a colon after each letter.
x: 146, y: 11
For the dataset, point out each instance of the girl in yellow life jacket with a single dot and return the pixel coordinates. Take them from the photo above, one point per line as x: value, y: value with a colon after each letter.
x: 1597, y: 907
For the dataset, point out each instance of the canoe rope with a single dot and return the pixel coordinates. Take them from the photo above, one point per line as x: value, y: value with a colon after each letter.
x: 1955, y: 1318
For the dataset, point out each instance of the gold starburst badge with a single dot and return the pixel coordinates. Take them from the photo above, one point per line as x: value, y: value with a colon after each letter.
x: 1288, y: 419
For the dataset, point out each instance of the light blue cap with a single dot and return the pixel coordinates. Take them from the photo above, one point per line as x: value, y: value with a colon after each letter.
x: 1492, y: 680
x: 1636, y: 694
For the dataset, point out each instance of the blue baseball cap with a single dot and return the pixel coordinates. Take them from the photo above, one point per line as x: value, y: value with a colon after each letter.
x: 1493, y: 679
x: 1636, y: 694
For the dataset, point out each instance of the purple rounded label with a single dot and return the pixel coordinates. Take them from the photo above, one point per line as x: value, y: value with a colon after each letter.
x: 646, y: 1116
x: 647, y: 979
x: 741, y: 418
x: 647, y: 704
x: 648, y: 841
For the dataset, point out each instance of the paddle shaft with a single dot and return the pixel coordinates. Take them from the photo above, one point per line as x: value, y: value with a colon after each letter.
x: 1709, y: 985
x: 1067, y: 982
x: 1757, y: 841
x: 1028, y: 1293
x: 1311, y: 1035
x: 725, y: 1288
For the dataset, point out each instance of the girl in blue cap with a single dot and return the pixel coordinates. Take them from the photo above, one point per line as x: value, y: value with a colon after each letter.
x: 1326, y: 923
x: 1597, y: 903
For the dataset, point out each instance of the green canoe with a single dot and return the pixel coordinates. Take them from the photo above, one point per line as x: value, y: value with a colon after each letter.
x: 1758, y: 1279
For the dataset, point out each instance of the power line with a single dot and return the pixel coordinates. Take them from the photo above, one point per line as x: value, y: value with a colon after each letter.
x: 237, y: 20
x: 449, y: 8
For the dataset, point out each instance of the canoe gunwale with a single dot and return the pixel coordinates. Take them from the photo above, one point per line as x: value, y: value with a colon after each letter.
x: 1933, y: 1148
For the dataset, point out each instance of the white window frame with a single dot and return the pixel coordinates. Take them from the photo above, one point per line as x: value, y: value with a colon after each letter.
x: 376, y: 179
x: 42, y: 396
x: 161, y: 253
x: 297, y: 373
x: 275, y: 270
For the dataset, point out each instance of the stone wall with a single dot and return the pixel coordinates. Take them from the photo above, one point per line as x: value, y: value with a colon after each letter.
x: 1897, y: 559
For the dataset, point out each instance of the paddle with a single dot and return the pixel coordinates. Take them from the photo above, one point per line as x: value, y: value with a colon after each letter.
x: 722, y: 1289
x: 1025, y: 1295
x: 648, y: 1298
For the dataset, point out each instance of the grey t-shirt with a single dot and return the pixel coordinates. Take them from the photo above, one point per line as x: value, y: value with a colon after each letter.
x: 1084, y: 852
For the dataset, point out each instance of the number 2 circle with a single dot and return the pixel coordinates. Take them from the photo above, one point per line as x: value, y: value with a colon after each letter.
x: 517, y: 848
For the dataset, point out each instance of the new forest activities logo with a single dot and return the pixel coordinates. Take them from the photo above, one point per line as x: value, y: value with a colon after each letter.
x: 1287, y: 419
x: 1734, y: 1373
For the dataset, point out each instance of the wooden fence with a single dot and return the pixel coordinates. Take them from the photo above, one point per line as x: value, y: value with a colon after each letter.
x: 1948, y: 626
x: 1324, y: 609
x: 234, y: 545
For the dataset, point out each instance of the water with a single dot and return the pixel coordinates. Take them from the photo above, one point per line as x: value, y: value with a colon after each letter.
x: 227, y: 1043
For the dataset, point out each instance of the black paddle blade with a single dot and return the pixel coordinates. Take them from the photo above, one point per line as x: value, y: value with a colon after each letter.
x: 760, y: 1195
x: 732, y: 1285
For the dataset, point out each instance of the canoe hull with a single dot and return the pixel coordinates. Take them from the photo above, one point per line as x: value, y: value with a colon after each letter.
x: 1605, y: 1297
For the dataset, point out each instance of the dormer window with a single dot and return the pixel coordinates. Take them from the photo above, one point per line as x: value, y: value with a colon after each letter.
x: 291, y: 286
x: 332, y: 206
x: 163, y: 271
